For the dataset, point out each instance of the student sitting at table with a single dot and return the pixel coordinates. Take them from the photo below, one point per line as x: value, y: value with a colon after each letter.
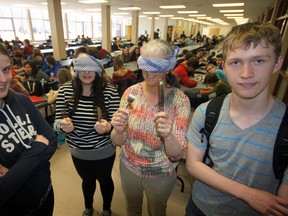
x: 125, y: 55
x: 122, y: 77
x: 16, y: 83
x: 134, y: 55
x: 211, y: 68
x: 40, y: 61
x: 215, y: 88
x: 182, y: 72
x: 53, y: 66
x: 33, y: 73
x: 64, y: 76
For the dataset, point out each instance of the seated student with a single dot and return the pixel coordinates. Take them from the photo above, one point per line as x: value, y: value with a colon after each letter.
x: 105, y: 56
x: 135, y: 54
x: 125, y: 55
x: 28, y: 49
x: 64, y: 75
x: 114, y: 46
x: 40, y: 61
x: 33, y: 73
x: 122, y: 77
x: 216, y: 87
x: 16, y: 83
x: 183, y: 69
x: 211, y: 68
x: 18, y: 60
x: 182, y: 57
x: 53, y: 66
x: 219, y: 61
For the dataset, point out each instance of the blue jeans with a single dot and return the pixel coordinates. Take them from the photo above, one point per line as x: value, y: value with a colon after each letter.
x: 192, y: 209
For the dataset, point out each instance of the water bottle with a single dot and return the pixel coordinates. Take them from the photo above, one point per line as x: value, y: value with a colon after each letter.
x: 51, y: 75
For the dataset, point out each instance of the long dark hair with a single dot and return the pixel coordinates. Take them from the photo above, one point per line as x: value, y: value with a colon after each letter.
x: 35, y: 68
x: 97, y: 87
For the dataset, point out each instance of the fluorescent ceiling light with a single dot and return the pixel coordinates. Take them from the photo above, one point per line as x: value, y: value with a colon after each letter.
x: 166, y: 15
x: 197, y: 15
x: 152, y: 17
x: 129, y: 8
x: 93, y: 1
x: 141, y: 16
x: 177, y: 18
x: 123, y: 13
x: 155, y: 12
x: 187, y: 12
x: 93, y: 9
x: 23, y: 5
x: 241, y: 21
x: 189, y: 19
x: 228, y: 5
x: 203, y: 17
x: 172, y: 6
x: 45, y: 3
x: 234, y: 15
x: 232, y: 11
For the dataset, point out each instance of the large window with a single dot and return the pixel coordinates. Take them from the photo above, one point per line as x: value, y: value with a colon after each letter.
x: 97, y: 26
x: 6, y: 30
x: 41, y: 24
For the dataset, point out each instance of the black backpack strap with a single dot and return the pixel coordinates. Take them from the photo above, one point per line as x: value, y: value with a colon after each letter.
x: 280, y: 154
x: 212, y: 115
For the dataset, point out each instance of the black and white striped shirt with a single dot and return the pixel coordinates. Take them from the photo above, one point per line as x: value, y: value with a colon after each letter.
x: 84, y: 142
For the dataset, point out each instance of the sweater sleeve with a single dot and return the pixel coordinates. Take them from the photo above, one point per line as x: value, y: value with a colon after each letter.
x: 182, y: 74
x: 32, y: 160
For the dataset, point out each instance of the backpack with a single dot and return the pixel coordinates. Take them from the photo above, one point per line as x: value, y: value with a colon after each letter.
x: 280, y: 154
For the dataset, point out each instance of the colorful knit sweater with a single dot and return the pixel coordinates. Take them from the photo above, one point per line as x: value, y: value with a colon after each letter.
x: 144, y: 151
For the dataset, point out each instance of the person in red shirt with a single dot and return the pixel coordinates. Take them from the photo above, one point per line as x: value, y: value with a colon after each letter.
x: 183, y: 69
x: 28, y: 48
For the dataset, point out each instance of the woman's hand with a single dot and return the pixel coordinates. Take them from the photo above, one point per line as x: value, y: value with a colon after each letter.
x: 102, y: 126
x: 66, y: 125
x: 3, y: 170
x: 41, y: 138
x: 120, y: 119
x: 163, y: 124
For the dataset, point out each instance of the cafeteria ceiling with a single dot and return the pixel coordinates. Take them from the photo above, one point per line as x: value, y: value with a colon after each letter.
x: 252, y: 8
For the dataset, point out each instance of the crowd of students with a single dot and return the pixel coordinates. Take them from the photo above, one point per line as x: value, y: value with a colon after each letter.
x: 154, y: 133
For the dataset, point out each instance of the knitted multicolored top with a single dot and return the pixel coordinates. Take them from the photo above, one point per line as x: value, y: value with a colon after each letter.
x: 144, y: 151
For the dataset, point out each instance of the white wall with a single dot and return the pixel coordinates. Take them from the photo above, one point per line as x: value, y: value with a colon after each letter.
x: 145, y: 25
x: 223, y: 30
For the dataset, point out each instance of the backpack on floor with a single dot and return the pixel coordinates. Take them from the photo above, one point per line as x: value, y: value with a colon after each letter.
x: 280, y: 154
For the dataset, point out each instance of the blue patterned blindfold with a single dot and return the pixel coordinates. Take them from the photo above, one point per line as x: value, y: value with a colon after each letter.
x: 158, y: 65
x: 88, y: 63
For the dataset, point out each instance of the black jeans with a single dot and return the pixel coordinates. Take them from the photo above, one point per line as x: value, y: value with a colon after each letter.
x: 192, y: 209
x: 47, y: 207
x: 92, y: 170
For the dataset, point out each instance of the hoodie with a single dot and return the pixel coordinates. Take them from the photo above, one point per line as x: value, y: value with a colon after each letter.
x: 182, y: 73
x: 28, y: 179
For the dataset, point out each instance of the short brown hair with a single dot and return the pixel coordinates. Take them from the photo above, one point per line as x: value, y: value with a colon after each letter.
x: 193, y: 62
x: 245, y: 35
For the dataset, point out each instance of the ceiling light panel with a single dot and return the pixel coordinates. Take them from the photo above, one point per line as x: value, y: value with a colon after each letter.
x: 93, y: 1
x: 229, y: 5
x: 153, y: 12
x: 234, y: 15
x: 232, y: 11
x: 129, y: 8
x: 172, y: 6
x: 187, y: 12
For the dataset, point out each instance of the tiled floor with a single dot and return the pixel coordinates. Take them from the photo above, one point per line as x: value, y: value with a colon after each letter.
x: 68, y: 193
